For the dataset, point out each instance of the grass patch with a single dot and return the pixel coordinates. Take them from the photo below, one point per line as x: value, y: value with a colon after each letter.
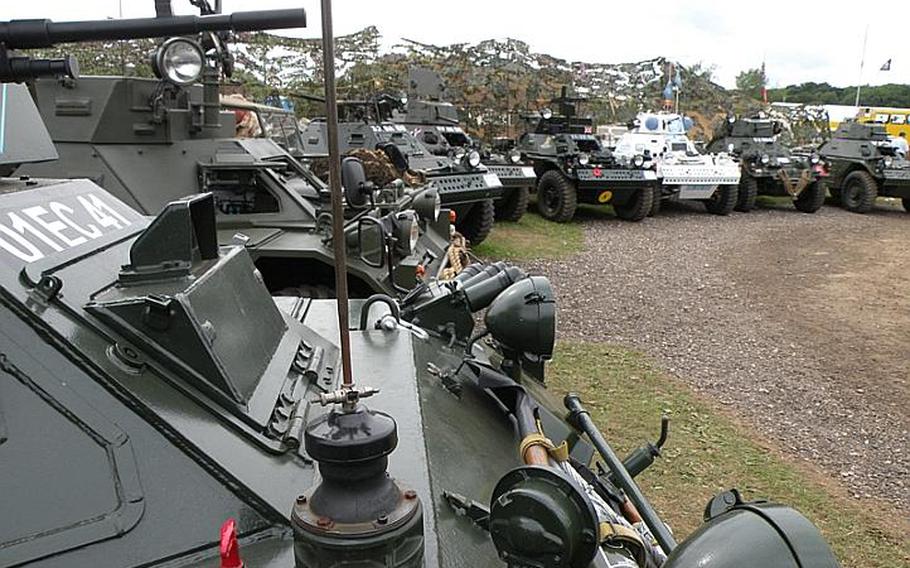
x: 707, y: 452
x: 532, y: 237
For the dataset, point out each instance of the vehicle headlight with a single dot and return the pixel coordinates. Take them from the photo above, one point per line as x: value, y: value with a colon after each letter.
x: 814, y: 159
x: 179, y: 61
x: 888, y: 161
x: 765, y: 159
x: 515, y: 156
x: 546, y: 113
x: 428, y: 205
x: 730, y: 147
x: 584, y: 159
x: 406, y: 231
x: 473, y: 158
x: 638, y: 161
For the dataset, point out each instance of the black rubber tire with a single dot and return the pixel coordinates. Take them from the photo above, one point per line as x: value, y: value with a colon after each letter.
x: 638, y: 207
x: 723, y: 201
x: 314, y: 291
x: 656, y: 201
x: 556, y: 197
x: 513, y: 206
x: 748, y: 192
x: 477, y: 223
x: 906, y: 203
x: 811, y: 198
x: 858, y: 192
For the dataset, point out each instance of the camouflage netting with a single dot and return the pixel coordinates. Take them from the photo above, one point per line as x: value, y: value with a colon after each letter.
x: 493, y: 82
x: 803, y: 125
x: 378, y: 168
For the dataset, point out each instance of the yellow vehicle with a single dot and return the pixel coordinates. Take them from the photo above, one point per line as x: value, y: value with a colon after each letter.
x: 895, y: 120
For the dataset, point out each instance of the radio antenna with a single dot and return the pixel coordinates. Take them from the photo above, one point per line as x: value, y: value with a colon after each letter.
x: 338, y: 241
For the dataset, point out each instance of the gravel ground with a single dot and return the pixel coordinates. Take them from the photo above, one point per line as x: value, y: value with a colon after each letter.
x: 798, y: 323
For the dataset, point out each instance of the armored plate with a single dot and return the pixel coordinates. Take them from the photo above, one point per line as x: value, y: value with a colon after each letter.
x: 696, y: 174
x: 902, y: 174
x: 486, y: 183
x: 611, y: 174
x: 510, y: 175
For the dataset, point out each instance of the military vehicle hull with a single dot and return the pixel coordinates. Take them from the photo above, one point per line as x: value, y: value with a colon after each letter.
x: 513, y: 177
x: 469, y: 191
x: 768, y: 166
x: 435, y: 123
x: 683, y: 172
x: 573, y: 167
x: 862, y: 166
x: 135, y: 421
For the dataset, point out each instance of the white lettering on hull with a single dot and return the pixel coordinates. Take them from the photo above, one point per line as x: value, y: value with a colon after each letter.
x: 33, y: 232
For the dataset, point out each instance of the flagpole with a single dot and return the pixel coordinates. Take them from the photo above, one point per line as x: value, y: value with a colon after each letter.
x: 862, y: 62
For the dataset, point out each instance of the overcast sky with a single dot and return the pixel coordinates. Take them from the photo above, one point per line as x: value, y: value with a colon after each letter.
x: 799, y: 40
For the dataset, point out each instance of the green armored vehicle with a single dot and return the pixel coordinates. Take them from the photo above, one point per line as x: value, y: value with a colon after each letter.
x: 435, y: 123
x: 151, y: 141
x: 464, y: 184
x: 159, y: 408
x: 768, y: 166
x: 864, y: 165
x: 573, y: 167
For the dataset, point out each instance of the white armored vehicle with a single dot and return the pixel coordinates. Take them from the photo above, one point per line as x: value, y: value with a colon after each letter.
x: 683, y: 172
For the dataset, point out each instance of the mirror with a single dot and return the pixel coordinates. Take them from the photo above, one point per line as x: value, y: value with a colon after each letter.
x: 371, y: 241
x: 354, y: 181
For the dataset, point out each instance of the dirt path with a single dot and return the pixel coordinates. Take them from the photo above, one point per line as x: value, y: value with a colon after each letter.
x: 799, y: 323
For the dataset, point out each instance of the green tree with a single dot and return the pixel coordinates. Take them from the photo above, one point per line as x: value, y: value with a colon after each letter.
x: 751, y: 82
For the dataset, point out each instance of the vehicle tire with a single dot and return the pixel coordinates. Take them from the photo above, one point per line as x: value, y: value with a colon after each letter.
x: 858, y: 192
x: 638, y: 207
x: 906, y: 203
x: 477, y: 223
x: 656, y: 201
x: 513, y: 206
x: 314, y: 291
x: 723, y: 201
x: 811, y: 198
x: 748, y: 192
x: 556, y: 197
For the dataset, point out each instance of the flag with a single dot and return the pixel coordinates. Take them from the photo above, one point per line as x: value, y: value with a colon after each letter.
x: 668, y: 91
x: 886, y: 66
x: 677, y: 79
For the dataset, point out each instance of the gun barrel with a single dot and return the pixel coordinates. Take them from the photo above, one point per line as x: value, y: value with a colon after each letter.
x: 30, y: 34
